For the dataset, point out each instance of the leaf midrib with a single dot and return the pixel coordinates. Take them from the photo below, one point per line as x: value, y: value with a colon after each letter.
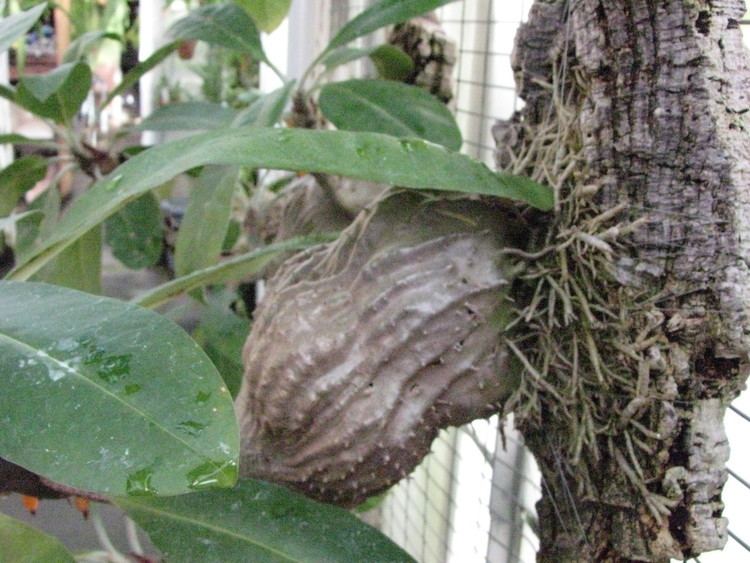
x: 201, y: 523
x: 67, y: 368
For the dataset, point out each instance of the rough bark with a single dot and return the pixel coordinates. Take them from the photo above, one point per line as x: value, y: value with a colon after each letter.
x: 660, y: 93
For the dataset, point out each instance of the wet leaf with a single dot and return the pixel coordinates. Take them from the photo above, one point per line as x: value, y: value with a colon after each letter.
x: 258, y: 522
x: 108, y: 397
x: 20, y: 543
x: 384, y: 106
x: 267, y: 110
x: 410, y: 163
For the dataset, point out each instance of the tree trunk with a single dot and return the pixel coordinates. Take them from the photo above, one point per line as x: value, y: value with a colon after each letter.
x: 637, y: 340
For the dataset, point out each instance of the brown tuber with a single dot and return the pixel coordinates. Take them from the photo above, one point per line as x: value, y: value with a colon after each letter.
x: 363, y: 348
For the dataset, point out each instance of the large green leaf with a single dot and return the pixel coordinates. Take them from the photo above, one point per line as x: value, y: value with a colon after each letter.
x: 226, y: 25
x: 12, y: 27
x: 257, y: 522
x: 267, y: 14
x: 105, y: 396
x: 18, y: 178
x: 243, y: 266
x: 136, y: 234
x: 79, y: 266
x: 380, y: 14
x: 266, y: 111
x: 56, y: 95
x: 188, y: 116
x: 411, y: 163
x: 135, y: 73
x: 384, y: 106
x: 20, y: 543
x: 204, y: 226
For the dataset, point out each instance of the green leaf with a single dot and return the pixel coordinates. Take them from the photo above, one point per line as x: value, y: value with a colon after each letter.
x: 18, y: 178
x: 8, y: 92
x: 367, y: 156
x: 226, y: 25
x: 384, y: 106
x: 380, y: 14
x: 267, y: 14
x: 15, y: 139
x: 243, y: 266
x: 222, y: 335
x: 135, y: 73
x: 136, y: 234
x: 13, y: 27
x: 188, y: 116
x: 392, y: 63
x: 23, y: 544
x: 79, y: 266
x: 204, y: 226
x: 258, y: 522
x: 56, y: 95
x: 12, y: 220
x: 104, y: 396
x: 267, y: 110
x: 343, y: 55
x: 80, y: 47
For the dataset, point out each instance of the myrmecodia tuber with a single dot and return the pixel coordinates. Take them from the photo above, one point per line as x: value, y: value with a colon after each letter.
x: 362, y: 349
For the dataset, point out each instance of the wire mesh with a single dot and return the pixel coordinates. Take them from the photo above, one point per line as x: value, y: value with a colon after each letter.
x: 472, y: 499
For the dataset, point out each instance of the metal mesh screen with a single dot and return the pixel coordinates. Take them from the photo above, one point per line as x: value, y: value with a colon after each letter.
x: 472, y: 499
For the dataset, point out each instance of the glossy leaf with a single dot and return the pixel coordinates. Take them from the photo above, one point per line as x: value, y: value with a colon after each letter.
x: 136, y: 233
x: 13, y: 27
x: 243, y: 266
x: 204, y: 226
x: 79, y: 48
x: 410, y: 163
x: 392, y: 63
x: 79, y: 266
x: 267, y: 14
x: 108, y: 397
x: 18, y: 178
x: 222, y: 334
x: 384, y: 106
x: 258, y: 522
x: 135, y: 73
x: 380, y: 14
x: 226, y: 25
x: 56, y: 95
x: 267, y: 110
x: 20, y: 543
x: 188, y: 116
